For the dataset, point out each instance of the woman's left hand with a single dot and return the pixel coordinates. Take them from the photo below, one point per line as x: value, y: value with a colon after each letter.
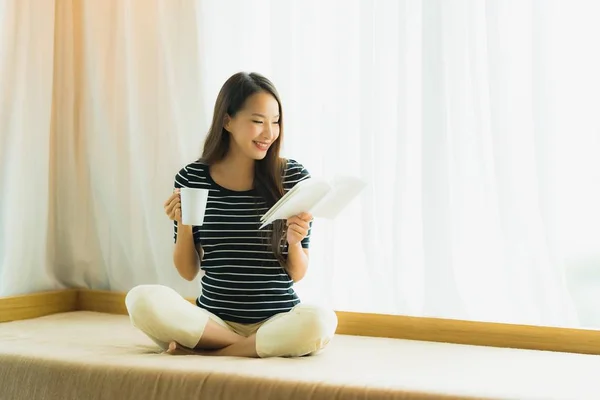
x: 297, y: 228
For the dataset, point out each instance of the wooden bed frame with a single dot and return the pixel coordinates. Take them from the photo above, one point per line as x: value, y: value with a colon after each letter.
x: 350, y: 323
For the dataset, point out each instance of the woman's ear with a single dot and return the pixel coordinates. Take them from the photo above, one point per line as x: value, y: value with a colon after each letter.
x: 227, y: 123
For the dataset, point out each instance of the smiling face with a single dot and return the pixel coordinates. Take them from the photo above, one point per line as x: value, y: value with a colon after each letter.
x: 255, y: 127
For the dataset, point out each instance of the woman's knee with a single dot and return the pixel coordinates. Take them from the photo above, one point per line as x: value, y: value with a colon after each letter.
x: 138, y: 299
x: 317, y: 321
x: 144, y: 302
x: 304, y: 330
x: 164, y: 315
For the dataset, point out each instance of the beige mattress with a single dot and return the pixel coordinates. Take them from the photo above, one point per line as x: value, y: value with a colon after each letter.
x: 88, y: 355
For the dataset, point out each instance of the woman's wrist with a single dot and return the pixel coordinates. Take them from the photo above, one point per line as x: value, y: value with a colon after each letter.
x: 183, y: 229
x: 295, y: 246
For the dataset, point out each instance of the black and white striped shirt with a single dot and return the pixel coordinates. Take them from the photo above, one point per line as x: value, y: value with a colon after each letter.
x: 243, y: 281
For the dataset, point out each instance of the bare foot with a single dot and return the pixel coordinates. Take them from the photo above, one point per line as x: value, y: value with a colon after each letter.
x: 175, y: 349
x: 243, y: 348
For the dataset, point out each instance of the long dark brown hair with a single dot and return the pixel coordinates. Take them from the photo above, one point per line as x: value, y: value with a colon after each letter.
x: 268, y: 179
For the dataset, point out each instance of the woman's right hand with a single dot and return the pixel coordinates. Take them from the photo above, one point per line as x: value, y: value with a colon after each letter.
x: 173, y: 206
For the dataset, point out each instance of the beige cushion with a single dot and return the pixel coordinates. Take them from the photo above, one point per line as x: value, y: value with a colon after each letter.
x: 87, y: 355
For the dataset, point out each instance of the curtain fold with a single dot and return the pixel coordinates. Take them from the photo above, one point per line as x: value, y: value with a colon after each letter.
x: 26, y: 69
x: 473, y: 122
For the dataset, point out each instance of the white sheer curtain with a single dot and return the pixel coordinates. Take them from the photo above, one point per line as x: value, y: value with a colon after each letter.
x: 473, y: 122
x: 26, y: 148
x: 132, y: 114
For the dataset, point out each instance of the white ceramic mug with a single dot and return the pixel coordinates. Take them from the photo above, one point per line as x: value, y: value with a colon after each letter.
x: 193, y: 205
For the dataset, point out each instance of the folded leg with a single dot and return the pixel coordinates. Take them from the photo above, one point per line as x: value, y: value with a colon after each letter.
x: 165, y: 317
x: 304, y: 330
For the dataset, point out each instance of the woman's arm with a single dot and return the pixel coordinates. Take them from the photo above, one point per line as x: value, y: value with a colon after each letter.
x: 186, y: 256
x: 297, y: 262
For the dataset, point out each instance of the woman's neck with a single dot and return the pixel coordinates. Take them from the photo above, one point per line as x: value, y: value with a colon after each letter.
x: 236, y: 173
x: 237, y: 164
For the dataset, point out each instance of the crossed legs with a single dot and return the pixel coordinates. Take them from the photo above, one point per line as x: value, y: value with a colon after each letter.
x: 218, y: 341
x: 180, y: 327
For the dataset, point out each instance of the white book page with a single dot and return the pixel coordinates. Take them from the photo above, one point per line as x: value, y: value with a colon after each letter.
x: 343, y: 191
x: 307, y: 194
x: 283, y: 200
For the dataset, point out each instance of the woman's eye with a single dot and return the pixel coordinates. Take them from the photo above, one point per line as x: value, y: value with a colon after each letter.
x: 276, y: 122
x: 257, y: 122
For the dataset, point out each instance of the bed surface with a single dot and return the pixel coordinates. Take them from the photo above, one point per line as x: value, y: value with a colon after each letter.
x: 89, y: 355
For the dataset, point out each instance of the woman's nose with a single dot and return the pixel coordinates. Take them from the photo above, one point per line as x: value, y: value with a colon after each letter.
x: 268, y: 131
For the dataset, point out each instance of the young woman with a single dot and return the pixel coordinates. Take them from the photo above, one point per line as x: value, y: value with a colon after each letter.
x: 248, y: 306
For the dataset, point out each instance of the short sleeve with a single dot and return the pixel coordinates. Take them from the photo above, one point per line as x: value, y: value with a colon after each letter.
x: 306, y: 241
x: 294, y: 173
x: 182, y: 181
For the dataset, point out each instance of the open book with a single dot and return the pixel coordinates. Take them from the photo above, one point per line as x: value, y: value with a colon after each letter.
x: 322, y: 198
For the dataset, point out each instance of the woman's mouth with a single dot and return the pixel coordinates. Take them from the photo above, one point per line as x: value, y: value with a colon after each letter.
x: 262, y: 145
